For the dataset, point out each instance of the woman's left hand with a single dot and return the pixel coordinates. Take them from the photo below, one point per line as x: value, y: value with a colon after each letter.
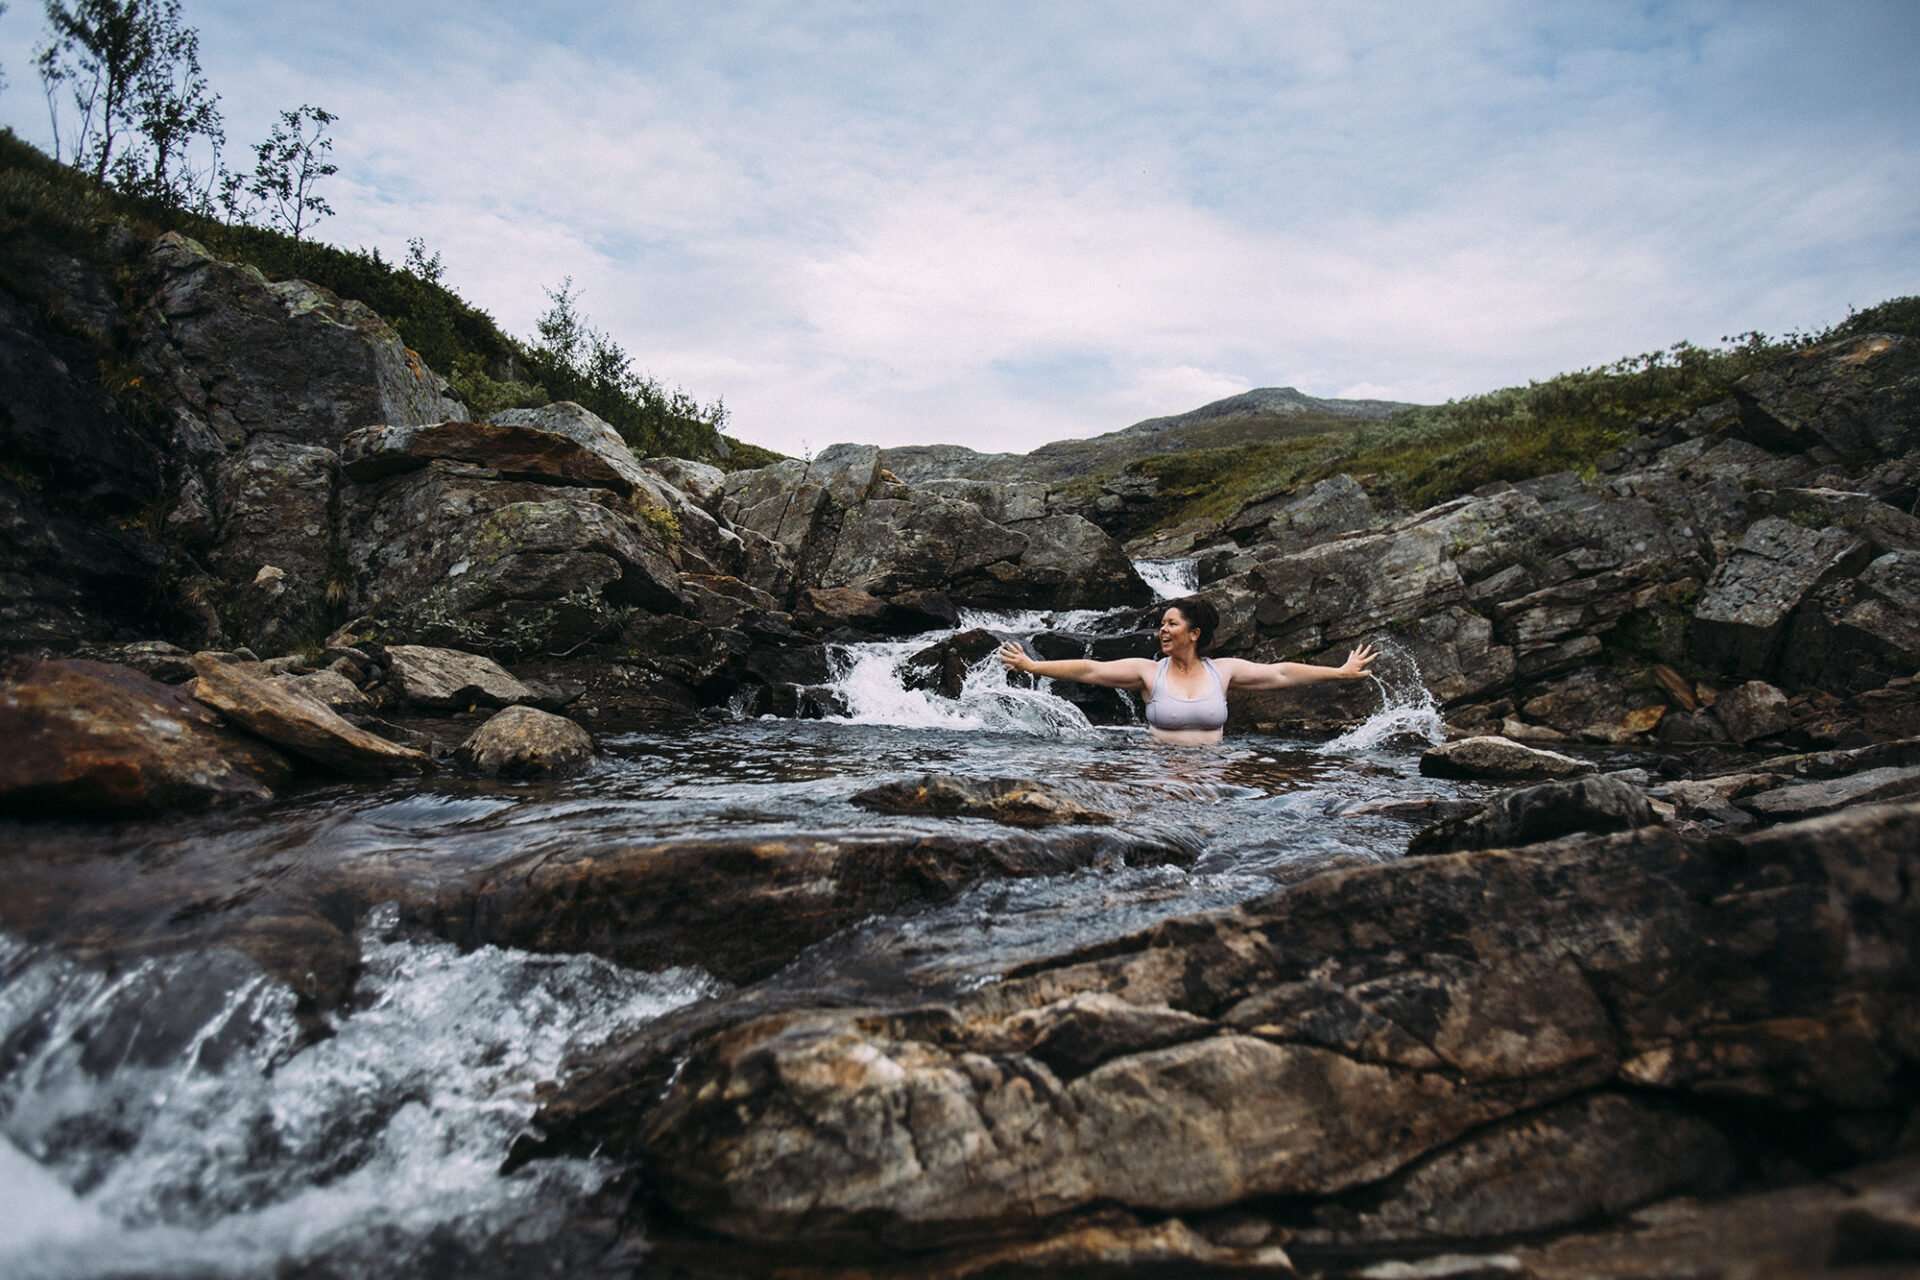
x: 1358, y: 661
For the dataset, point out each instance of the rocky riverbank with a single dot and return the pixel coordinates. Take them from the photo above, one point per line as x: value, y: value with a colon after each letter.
x: 1609, y: 1019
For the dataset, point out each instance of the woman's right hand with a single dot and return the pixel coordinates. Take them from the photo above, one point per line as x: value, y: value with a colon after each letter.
x: 1014, y: 658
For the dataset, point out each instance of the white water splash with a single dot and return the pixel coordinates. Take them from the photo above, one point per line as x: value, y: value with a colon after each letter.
x: 1407, y: 711
x: 204, y: 1139
x: 871, y: 680
x: 1170, y: 579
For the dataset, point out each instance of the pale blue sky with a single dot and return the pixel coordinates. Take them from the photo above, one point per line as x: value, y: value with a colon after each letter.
x: 1002, y: 224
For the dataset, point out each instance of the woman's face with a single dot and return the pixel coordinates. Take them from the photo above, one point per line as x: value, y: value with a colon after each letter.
x: 1176, y: 632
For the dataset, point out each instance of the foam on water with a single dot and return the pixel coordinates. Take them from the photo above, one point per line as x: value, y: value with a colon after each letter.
x: 169, y: 1120
x: 1407, y: 711
x: 871, y: 679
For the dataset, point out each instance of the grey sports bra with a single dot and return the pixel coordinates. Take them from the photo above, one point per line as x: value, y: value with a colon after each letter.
x: 1164, y: 711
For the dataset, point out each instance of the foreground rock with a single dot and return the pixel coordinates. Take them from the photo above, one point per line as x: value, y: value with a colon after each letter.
x: 1497, y: 758
x: 93, y: 740
x: 1018, y: 802
x: 1366, y: 1046
x: 524, y: 743
x: 1546, y: 812
x: 301, y: 724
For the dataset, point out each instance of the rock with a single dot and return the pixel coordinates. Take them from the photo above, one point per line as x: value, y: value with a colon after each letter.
x: 521, y: 742
x: 1002, y: 502
x: 1578, y: 1011
x: 432, y: 679
x: 92, y: 740
x: 167, y: 663
x: 1497, y: 758
x: 700, y: 481
x: 1018, y: 802
x: 448, y: 556
x: 740, y: 907
x: 1291, y: 523
x: 331, y: 689
x: 888, y: 545
x: 1857, y: 634
x: 273, y: 501
x: 942, y: 668
x: 1545, y: 812
x: 517, y: 452
x: 1067, y: 563
x: 305, y: 726
x: 905, y: 614
x: 1585, y: 1160
x: 286, y: 359
x: 1807, y: 799
x: 1740, y: 621
x: 1855, y: 396
x: 1753, y: 710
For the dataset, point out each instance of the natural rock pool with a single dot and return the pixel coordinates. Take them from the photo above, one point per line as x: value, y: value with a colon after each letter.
x: 187, y: 1088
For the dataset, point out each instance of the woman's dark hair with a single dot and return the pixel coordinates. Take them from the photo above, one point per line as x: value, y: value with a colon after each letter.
x: 1200, y: 615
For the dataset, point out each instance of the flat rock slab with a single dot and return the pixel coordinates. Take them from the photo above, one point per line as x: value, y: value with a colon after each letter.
x: 1741, y: 618
x: 1368, y: 1045
x: 95, y: 740
x: 1805, y: 799
x: 1545, y: 812
x: 518, y: 452
x: 1498, y: 759
x: 303, y: 725
x: 524, y: 742
x: 449, y: 680
x: 1018, y: 802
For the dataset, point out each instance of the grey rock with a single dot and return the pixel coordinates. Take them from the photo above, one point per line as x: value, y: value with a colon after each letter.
x: 1741, y: 617
x: 1497, y: 758
x: 1546, y: 812
x: 433, y: 679
x: 1808, y: 799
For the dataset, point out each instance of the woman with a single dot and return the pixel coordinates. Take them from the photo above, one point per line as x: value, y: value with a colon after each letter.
x: 1187, y: 693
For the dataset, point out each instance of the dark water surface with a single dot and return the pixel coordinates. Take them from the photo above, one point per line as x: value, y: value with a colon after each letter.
x: 171, y: 1116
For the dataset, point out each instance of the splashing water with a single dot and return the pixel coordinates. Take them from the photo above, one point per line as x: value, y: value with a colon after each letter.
x: 1170, y: 579
x: 186, y: 1130
x: 1407, y: 711
x: 871, y: 679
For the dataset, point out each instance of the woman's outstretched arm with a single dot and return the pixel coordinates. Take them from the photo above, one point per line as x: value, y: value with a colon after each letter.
x: 1123, y: 673
x: 1242, y: 674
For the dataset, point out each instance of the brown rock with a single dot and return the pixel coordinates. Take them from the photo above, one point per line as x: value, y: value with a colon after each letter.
x: 1018, y: 802
x: 516, y: 452
x: 521, y: 742
x: 303, y: 725
x: 94, y: 740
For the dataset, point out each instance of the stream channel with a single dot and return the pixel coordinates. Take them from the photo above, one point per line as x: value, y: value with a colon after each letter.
x: 172, y: 1116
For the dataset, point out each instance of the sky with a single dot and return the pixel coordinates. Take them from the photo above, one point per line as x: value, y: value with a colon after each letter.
x: 1003, y: 224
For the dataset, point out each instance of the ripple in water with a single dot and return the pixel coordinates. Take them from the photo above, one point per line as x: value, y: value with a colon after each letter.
x: 186, y: 1129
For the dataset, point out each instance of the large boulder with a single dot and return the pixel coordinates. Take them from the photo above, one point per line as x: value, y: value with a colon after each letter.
x: 1291, y: 522
x: 1017, y: 802
x: 99, y: 741
x: 247, y: 356
x: 1067, y: 563
x: 516, y: 452
x: 432, y: 679
x: 1741, y: 619
x: 452, y: 555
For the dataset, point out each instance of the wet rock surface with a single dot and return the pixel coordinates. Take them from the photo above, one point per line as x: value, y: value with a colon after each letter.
x: 301, y: 724
x: 1365, y: 1041
x: 1017, y: 802
x: 524, y: 742
x: 91, y: 739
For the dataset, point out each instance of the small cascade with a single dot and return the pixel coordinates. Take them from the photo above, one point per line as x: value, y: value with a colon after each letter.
x: 1407, y: 711
x: 1170, y: 579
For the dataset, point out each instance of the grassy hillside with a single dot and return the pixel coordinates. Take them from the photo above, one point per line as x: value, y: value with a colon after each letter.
x: 1429, y: 454
x: 489, y: 369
